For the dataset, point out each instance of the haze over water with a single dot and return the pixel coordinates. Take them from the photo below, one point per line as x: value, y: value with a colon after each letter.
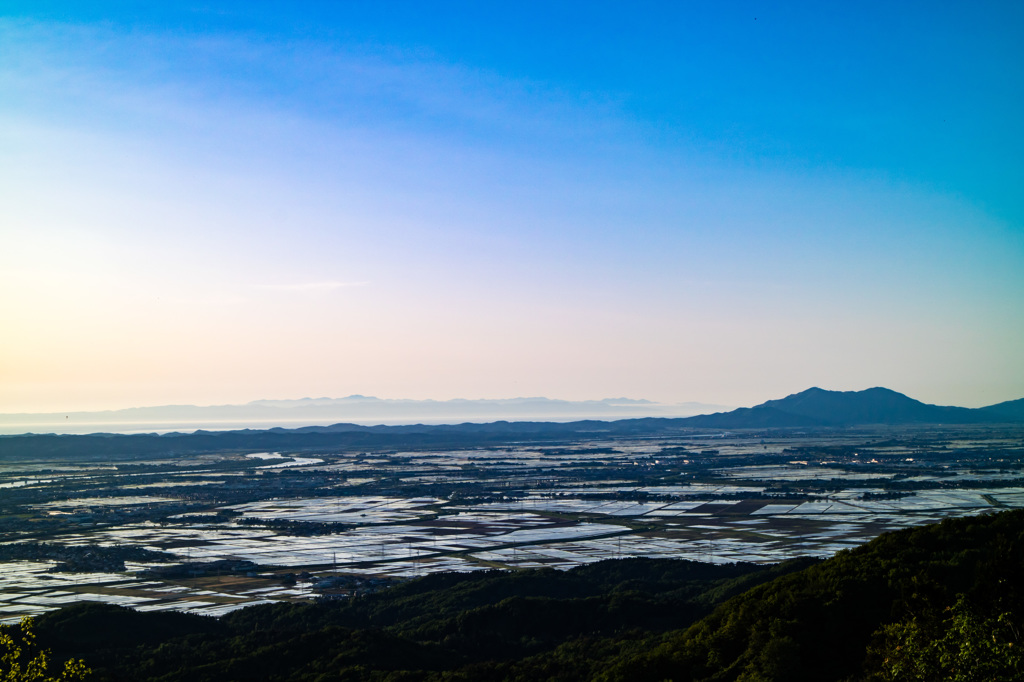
x: 265, y: 414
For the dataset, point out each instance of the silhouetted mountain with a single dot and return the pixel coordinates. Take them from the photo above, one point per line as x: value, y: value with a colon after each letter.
x: 872, y: 406
x: 813, y: 408
x: 759, y: 417
x: 1010, y: 411
x: 818, y: 407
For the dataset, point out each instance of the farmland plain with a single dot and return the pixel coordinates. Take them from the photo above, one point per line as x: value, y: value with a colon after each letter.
x: 213, y: 532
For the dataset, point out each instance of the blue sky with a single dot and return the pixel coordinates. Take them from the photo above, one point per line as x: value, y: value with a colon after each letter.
x: 727, y: 202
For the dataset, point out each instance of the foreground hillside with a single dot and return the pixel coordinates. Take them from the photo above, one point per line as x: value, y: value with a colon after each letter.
x: 937, y: 602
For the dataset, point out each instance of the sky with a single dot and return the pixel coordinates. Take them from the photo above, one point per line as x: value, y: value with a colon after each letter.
x: 210, y: 203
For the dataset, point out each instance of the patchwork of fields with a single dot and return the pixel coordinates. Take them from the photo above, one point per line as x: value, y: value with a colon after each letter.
x: 213, y: 533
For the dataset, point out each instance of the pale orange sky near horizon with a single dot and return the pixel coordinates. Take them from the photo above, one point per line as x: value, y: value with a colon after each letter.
x: 213, y: 209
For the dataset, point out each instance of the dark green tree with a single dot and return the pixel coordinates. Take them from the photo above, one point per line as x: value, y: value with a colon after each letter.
x: 21, y: 661
x: 957, y: 646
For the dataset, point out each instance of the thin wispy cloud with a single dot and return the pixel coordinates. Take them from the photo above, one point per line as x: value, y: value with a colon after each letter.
x: 170, y: 80
x: 311, y: 286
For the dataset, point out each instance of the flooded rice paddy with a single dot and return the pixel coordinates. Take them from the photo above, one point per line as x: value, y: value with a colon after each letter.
x: 293, y: 526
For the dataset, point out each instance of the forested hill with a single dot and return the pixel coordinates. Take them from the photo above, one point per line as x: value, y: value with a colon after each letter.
x: 937, y: 602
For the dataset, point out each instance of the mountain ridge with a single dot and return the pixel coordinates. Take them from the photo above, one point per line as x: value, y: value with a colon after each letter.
x: 814, y: 408
x: 873, y: 406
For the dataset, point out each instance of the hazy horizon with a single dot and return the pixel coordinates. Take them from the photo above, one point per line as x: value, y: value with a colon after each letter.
x: 624, y: 400
x: 718, y: 203
x: 364, y: 410
x: 352, y: 409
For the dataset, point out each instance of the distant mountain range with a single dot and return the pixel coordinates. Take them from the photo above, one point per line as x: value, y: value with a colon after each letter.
x: 358, y: 409
x: 814, y: 407
x: 810, y: 409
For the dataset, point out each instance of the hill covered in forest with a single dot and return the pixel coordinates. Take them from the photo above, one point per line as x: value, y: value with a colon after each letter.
x: 936, y: 602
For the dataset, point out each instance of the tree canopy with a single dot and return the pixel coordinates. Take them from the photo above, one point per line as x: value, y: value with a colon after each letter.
x: 940, y: 602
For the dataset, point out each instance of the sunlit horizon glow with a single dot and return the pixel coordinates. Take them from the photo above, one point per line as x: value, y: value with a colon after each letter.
x: 574, y: 200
